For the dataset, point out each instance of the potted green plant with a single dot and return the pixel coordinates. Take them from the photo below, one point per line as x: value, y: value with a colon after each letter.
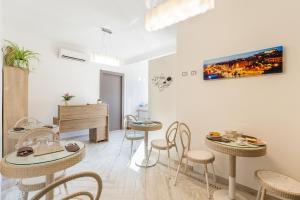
x: 67, y: 97
x: 17, y: 56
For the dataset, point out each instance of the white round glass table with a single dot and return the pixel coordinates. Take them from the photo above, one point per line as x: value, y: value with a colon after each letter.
x: 145, y: 126
x: 30, y: 166
x: 233, y: 151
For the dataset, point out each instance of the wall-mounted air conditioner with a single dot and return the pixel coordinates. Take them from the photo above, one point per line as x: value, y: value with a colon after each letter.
x: 73, y: 55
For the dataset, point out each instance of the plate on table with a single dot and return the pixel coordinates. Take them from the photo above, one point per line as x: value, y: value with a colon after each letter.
x: 253, y: 140
x: 258, y: 142
x: 50, y: 126
x: 19, y: 129
x: 216, y: 136
x: 218, y: 139
x: 248, y: 137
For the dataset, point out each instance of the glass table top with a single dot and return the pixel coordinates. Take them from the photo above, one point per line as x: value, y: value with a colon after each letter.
x: 12, y: 158
x: 146, y: 123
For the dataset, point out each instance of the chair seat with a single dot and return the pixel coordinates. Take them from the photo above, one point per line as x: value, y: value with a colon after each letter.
x: 199, y: 156
x: 160, y: 144
x: 281, y: 185
x: 135, y: 136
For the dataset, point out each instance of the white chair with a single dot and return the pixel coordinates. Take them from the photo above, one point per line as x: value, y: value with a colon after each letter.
x: 37, y: 183
x: 27, y: 122
x: 196, y: 156
x: 166, y: 144
x: 130, y: 134
x: 76, y: 195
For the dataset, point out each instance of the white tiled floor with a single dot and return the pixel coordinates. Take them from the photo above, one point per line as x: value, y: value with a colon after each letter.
x: 122, y: 179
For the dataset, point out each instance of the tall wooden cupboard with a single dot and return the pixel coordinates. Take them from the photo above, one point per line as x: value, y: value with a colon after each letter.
x: 15, y: 102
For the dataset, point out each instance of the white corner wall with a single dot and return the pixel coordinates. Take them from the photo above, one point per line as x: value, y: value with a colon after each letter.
x: 162, y: 104
x: 136, y: 86
x: 264, y: 106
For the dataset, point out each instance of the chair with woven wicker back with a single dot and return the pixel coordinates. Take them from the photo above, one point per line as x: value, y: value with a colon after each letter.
x: 27, y: 122
x: 129, y: 134
x: 195, y: 156
x: 166, y: 144
x: 37, y: 183
x: 75, y: 195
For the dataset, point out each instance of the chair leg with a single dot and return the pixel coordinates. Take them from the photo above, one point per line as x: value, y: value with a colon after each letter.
x: 259, y: 193
x: 169, y: 162
x: 25, y: 195
x: 158, y: 156
x: 186, y: 164
x: 207, y: 183
x: 131, y: 149
x: 178, y: 168
x: 122, y: 142
x: 123, y: 138
x: 263, y: 193
x: 66, y: 188
x: 59, y: 188
x: 214, y: 173
x: 149, y: 157
x: 177, y: 152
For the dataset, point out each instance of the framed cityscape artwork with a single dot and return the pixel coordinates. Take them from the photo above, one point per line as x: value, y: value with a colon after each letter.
x: 265, y: 61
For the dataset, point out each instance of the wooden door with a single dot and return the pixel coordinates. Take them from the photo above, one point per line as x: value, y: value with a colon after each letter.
x: 15, y: 102
x: 111, y: 92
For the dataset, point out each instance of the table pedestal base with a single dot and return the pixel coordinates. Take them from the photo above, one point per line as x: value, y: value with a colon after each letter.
x: 49, y: 180
x: 223, y: 195
x: 143, y: 162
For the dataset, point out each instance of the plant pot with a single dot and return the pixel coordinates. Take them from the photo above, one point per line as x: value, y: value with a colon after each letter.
x: 66, y: 103
x: 20, y: 63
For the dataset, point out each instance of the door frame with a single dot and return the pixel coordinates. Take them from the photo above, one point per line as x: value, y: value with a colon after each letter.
x: 122, y: 76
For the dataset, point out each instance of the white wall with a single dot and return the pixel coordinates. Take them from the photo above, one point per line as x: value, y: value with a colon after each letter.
x: 264, y: 106
x: 162, y: 104
x: 53, y: 77
x: 136, y: 86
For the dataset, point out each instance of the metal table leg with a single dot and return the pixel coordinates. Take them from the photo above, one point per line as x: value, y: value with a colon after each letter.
x: 230, y: 194
x: 143, y: 161
x: 49, y: 180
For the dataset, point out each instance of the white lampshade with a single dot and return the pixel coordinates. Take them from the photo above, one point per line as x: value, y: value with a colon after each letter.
x: 173, y: 11
x: 105, y: 60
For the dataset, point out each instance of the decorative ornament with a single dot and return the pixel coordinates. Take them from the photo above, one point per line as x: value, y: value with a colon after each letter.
x: 162, y: 82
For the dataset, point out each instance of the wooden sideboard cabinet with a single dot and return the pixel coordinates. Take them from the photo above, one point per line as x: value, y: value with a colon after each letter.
x: 79, y: 117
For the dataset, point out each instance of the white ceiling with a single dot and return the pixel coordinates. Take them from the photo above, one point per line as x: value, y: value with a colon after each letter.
x: 77, y: 22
